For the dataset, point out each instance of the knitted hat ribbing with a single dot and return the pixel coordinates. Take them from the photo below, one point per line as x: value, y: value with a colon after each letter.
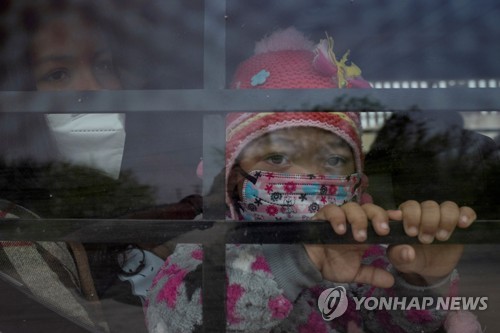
x: 244, y: 127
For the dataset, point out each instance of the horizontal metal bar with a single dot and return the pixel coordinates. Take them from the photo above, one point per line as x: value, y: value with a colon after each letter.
x: 218, y: 232
x: 457, y: 99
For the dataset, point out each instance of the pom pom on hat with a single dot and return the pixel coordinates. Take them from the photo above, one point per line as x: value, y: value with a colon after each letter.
x: 281, y: 40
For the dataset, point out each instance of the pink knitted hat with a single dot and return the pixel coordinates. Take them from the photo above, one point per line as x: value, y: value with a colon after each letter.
x: 286, y: 59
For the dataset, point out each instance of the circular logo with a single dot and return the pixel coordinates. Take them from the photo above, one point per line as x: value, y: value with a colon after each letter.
x: 332, y: 303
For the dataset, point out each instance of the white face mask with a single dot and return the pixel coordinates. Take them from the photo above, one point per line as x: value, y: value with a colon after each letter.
x: 282, y: 196
x: 94, y: 140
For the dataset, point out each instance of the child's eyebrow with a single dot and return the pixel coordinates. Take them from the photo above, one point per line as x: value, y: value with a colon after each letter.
x: 276, y: 139
x: 337, y: 143
x: 287, y: 141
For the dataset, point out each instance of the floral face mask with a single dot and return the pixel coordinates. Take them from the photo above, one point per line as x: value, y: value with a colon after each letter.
x: 282, y: 196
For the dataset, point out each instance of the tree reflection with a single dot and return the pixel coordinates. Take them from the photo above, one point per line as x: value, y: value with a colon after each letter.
x: 63, y: 190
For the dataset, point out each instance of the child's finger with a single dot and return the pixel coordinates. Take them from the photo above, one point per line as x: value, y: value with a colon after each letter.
x: 395, y: 214
x: 358, y: 220
x: 467, y: 217
x: 402, y: 257
x: 379, y: 218
x: 411, y: 214
x: 450, y: 214
x: 335, y: 215
x: 429, y: 221
x: 375, y: 276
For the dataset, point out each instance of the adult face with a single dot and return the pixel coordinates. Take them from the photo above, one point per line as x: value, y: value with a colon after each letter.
x: 71, y: 54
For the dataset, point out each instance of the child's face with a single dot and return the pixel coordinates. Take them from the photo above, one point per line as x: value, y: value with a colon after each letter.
x: 291, y: 174
x: 299, y: 150
x: 70, y: 54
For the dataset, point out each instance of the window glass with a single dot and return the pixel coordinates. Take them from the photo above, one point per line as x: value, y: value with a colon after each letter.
x: 154, y: 154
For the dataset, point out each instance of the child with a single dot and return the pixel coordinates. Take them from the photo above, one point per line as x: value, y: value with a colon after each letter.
x: 299, y: 166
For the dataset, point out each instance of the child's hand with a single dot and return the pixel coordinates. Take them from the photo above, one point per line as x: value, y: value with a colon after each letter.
x: 342, y: 263
x: 427, y: 220
x: 423, y: 264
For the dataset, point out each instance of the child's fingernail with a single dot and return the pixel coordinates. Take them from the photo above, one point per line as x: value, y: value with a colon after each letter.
x: 464, y: 221
x: 426, y: 238
x: 384, y: 226
x: 412, y: 231
x: 361, y: 234
x: 442, y: 234
x: 341, y: 228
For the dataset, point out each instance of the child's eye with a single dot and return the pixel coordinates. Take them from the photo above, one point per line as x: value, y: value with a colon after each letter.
x: 277, y: 159
x: 335, y: 161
